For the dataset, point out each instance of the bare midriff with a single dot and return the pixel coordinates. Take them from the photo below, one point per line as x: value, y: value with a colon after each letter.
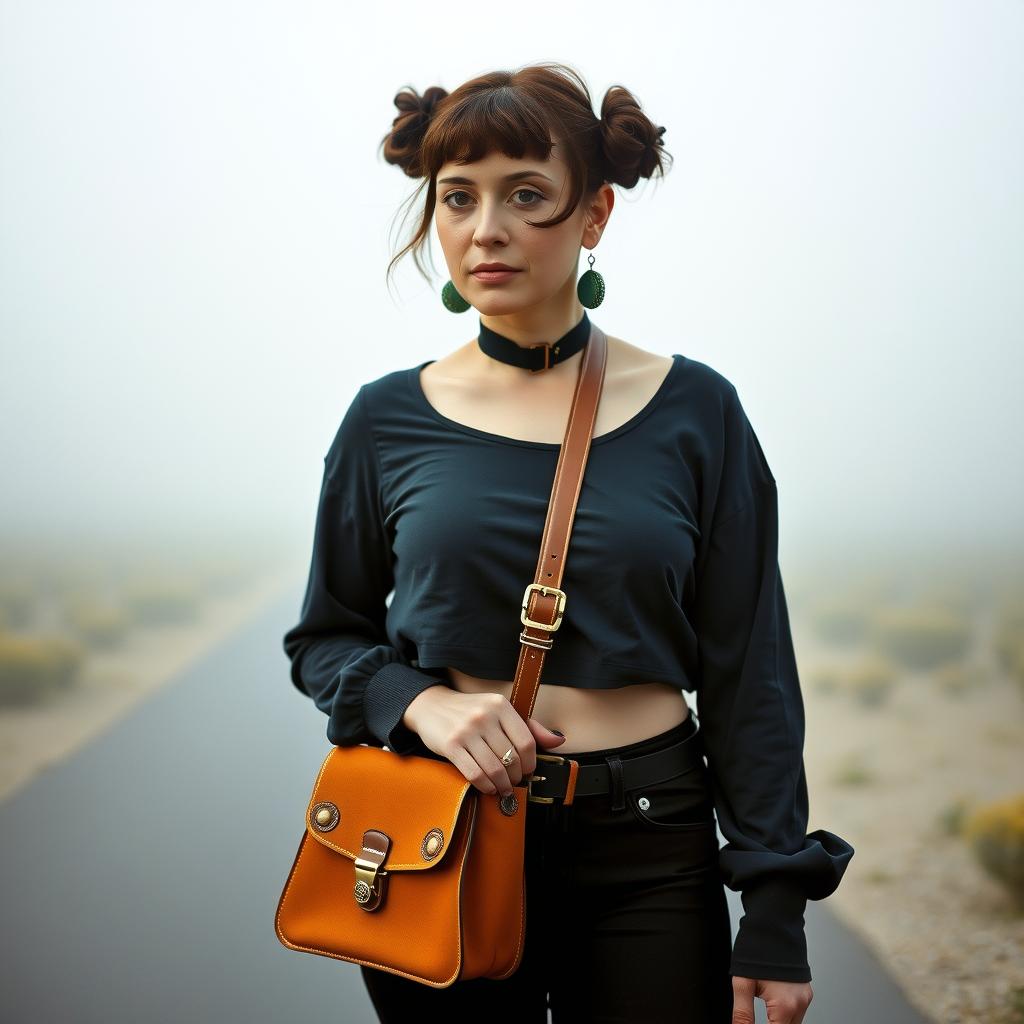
x: 593, y: 719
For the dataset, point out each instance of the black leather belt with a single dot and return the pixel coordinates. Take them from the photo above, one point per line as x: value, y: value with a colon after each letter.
x: 561, y: 778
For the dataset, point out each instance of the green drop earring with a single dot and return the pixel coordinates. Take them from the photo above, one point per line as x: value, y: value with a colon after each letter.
x: 452, y: 299
x: 590, y: 287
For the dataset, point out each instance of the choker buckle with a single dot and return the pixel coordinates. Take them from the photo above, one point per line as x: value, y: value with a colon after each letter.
x: 546, y: 345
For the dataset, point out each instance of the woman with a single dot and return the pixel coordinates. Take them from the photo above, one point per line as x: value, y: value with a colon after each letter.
x: 436, y: 486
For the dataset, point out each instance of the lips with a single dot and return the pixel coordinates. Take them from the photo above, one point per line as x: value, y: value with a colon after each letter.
x: 494, y: 276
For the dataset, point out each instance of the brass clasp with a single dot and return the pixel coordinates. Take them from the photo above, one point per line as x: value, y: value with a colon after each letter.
x: 371, y: 878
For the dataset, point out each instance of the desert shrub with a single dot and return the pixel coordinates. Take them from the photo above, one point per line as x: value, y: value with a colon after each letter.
x: 1014, y: 1013
x: 97, y: 623
x: 852, y: 771
x: 1008, y: 638
x: 958, y: 679
x: 825, y: 678
x: 870, y: 681
x: 160, y: 602
x: 921, y: 637
x: 841, y: 621
x: 952, y: 816
x: 878, y: 876
x: 34, y: 666
x: 1015, y: 665
x: 1005, y: 733
x: 995, y: 834
x: 17, y: 602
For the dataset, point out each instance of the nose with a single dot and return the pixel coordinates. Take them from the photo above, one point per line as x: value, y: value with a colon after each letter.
x: 490, y: 225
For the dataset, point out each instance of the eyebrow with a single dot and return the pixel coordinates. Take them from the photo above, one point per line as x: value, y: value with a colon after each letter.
x: 515, y: 176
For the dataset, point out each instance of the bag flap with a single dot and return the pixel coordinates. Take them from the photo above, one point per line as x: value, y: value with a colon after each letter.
x: 414, y: 800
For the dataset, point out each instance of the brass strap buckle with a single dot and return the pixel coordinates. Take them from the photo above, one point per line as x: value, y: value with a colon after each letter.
x: 559, y: 606
x: 534, y: 777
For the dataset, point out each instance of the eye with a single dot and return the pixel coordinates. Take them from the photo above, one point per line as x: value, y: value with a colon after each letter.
x: 518, y: 192
x: 449, y: 196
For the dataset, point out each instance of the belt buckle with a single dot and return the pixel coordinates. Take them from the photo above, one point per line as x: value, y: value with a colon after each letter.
x: 534, y: 777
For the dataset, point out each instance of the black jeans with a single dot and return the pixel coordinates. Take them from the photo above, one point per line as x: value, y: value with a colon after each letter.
x: 626, y: 914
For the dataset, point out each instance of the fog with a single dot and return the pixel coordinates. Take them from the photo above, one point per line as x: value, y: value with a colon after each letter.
x: 196, y: 225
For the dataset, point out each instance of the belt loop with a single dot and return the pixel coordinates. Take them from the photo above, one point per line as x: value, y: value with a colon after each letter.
x: 617, y: 792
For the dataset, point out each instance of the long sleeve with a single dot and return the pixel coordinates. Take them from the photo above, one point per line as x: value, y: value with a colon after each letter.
x: 339, y: 649
x: 751, y: 711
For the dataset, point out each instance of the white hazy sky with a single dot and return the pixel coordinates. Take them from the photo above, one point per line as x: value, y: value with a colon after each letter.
x: 195, y: 226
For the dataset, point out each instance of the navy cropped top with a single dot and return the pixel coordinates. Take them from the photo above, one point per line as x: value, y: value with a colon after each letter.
x: 671, y: 576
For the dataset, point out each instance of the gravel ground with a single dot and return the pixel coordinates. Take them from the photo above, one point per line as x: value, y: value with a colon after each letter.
x: 913, y: 892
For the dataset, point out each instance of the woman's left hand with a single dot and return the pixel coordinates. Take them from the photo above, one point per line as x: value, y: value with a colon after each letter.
x: 785, y: 1001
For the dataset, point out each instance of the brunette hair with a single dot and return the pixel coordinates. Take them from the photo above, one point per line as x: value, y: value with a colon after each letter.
x: 517, y: 113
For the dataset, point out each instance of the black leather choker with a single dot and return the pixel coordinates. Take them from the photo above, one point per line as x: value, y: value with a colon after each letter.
x: 540, y: 356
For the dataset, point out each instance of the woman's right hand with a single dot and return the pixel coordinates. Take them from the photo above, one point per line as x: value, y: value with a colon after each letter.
x: 473, y: 731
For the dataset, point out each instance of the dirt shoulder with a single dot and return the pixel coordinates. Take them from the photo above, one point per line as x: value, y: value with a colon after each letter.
x: 885, y: 779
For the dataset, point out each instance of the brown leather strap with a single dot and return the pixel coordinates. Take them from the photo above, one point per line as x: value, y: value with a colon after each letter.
x: 544, y: 610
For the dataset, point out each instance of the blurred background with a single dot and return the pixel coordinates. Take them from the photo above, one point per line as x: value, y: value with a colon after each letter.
x: 194, y: 231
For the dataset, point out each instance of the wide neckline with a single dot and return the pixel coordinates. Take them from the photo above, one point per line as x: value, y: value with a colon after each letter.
x: 421, y: 397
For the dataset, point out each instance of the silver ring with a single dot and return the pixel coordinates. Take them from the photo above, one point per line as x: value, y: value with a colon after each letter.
x: 510, y: 756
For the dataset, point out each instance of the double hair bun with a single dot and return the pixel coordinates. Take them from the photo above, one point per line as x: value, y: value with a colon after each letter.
x: 631, y: 144
x: 415, y: 111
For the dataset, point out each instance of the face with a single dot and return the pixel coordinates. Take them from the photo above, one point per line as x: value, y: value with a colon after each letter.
x: 481, y: 216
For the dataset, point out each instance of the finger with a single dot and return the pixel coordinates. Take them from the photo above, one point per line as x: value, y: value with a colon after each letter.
x: 807, y: 1005
x: 500, y: 743
x: 781, y: 1012
x: 742, y: 1001
x: 467, y: 764
x: 484, y: 755
x: 743, y: 1013
x: 521, y: 738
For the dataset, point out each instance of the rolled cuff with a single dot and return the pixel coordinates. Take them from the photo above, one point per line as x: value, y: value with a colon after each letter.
x: 770, y: 942
x: 389, y: 692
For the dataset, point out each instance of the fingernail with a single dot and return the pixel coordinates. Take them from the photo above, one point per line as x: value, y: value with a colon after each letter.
x: 557, y: 733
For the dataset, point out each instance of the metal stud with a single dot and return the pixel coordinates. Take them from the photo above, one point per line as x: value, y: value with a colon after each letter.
x: 432, y: 843
x: 644, y: 803
x: 509, y: 805
x: 324, y: 816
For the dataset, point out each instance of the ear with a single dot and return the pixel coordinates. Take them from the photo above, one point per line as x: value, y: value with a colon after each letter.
x: 596, y: 212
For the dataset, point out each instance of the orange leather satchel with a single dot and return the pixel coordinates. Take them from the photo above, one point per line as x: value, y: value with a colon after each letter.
x: 403, y: 864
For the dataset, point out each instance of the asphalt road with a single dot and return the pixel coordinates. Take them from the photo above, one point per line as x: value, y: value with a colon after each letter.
x: 141, y: 876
